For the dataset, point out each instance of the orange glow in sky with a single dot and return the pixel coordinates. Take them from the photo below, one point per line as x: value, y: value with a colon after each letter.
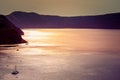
x: 61, y: 7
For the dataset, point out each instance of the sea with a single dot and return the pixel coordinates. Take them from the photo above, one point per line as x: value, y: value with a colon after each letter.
x: 63, y: 54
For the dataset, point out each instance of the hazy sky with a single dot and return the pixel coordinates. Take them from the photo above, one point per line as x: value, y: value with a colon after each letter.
x: 61, y: 7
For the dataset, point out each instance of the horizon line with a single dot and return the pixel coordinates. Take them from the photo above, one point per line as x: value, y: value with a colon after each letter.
x: 62, y: 15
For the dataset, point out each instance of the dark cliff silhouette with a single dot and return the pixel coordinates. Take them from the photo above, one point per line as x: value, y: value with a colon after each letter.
x: 34, y: 20
x: 9, y: 33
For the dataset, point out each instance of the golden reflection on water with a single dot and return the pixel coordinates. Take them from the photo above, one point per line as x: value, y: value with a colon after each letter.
x: 37, y: 37
x: 74, y: 39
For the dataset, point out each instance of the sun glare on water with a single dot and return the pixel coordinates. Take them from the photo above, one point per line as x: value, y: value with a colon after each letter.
x: 38, y: 40
x: 80, y: 39
x: 36, y: 37
x: 31, y: 33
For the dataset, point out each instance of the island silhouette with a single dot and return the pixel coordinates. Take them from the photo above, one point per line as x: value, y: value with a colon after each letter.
x: 34, y: 20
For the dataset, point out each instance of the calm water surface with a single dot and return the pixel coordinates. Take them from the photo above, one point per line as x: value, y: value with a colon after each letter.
x: 63, y: 54
x: 80, y: 39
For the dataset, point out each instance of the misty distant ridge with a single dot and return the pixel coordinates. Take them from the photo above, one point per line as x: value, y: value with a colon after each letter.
x: 34, y: 20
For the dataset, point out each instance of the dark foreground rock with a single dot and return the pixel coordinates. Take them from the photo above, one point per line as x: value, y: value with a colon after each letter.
x: 9, y: 33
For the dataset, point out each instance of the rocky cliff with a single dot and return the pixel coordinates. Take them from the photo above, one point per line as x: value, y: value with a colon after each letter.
x: 9, y: 33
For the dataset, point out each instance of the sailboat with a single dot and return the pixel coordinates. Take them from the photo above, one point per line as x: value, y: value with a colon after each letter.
x: 15, y: 72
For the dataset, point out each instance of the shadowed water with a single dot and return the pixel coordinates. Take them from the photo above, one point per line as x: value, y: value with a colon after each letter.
x: 64, y: 54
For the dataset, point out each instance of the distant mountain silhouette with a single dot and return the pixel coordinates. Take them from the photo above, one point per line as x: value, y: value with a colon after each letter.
x: 34, y: 20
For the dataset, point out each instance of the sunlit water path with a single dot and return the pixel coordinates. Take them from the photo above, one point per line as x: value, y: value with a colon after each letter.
x: 79, y: 39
